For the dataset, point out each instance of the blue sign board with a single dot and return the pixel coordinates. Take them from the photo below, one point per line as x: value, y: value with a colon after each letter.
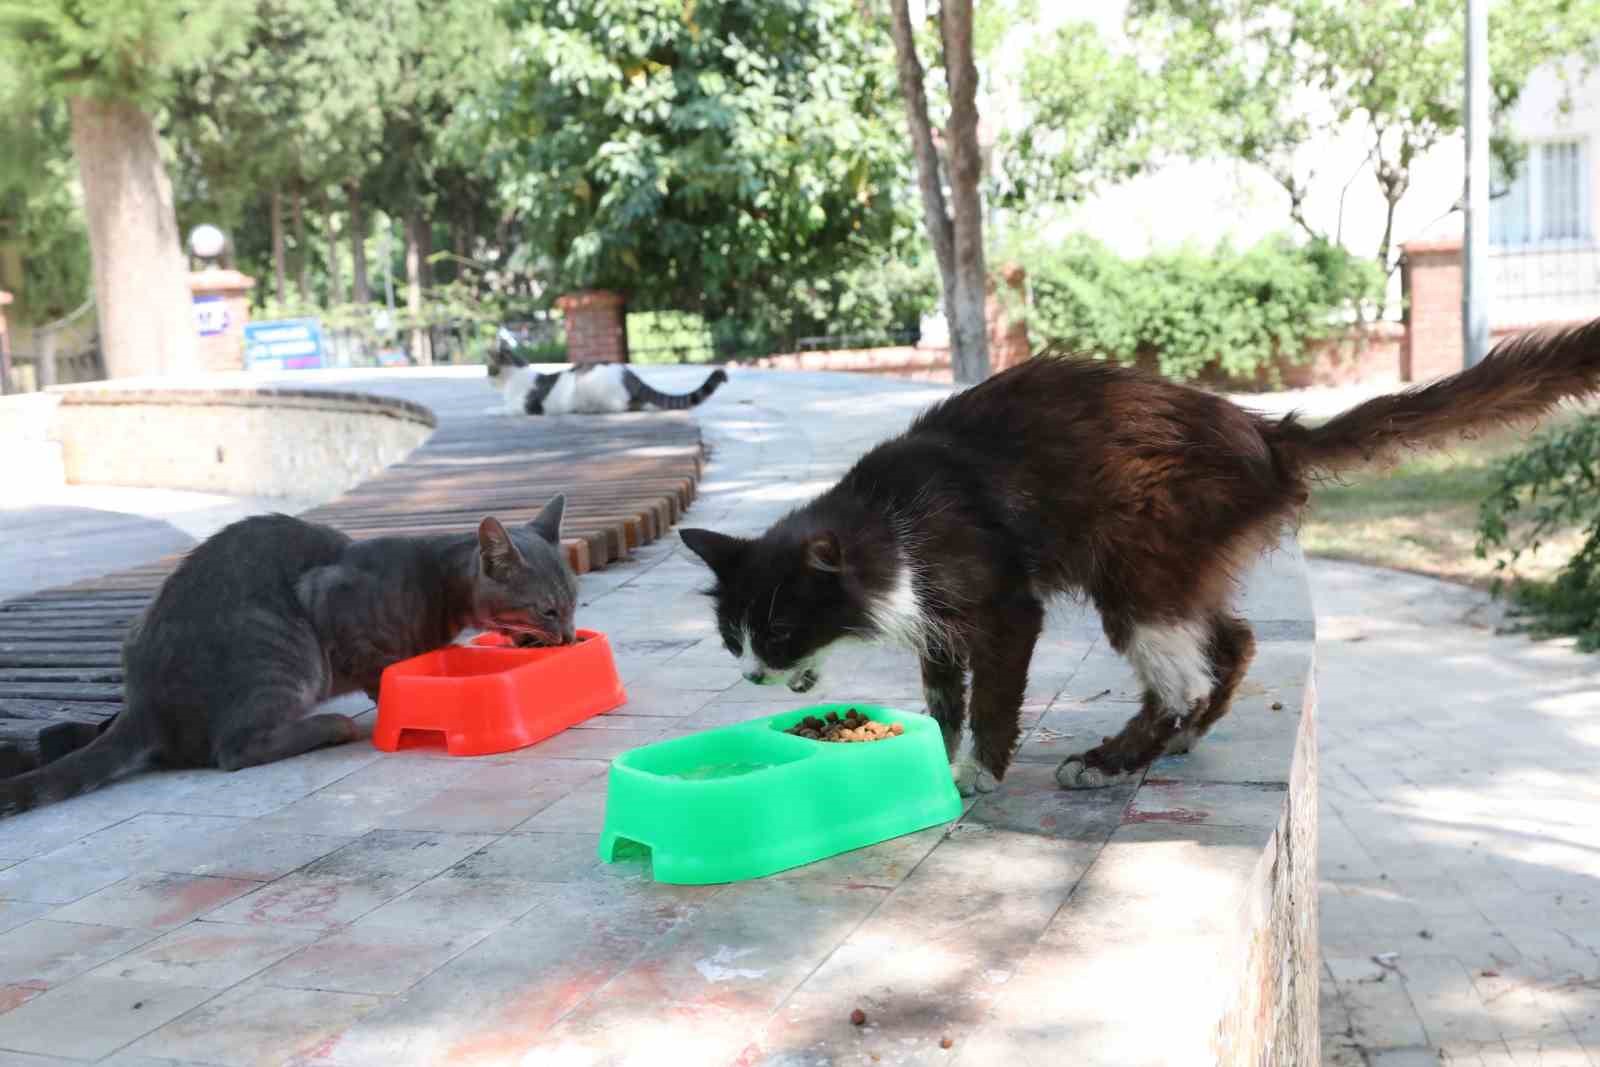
x: 283, y: 344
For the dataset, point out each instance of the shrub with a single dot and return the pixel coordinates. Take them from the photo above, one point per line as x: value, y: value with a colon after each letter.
x: 1191, y: 310
x: 1557, y: 479
x: 865, y: 304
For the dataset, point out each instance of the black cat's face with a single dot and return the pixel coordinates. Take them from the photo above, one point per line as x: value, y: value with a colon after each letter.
x: 781, y: 601
x: 524, y: 588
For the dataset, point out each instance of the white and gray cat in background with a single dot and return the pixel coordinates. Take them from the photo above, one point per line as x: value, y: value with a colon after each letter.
x: 589, y: 389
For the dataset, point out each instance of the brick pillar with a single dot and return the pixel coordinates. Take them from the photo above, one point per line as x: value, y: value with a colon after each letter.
x: 1008, y: 330
x: 221, y: 308
x: 597, y: 326
x: 1431, y: 280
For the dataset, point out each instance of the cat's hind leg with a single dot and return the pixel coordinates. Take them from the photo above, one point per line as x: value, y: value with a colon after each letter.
x: 272, y: 718
x: 1231, y: 648
x: 1172, y: 662
x: 283, y: 738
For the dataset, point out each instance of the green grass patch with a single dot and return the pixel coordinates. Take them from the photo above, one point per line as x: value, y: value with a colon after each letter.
x: 1421, y: 515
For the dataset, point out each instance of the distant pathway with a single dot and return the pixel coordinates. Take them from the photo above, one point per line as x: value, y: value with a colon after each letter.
x: 1460, y: 830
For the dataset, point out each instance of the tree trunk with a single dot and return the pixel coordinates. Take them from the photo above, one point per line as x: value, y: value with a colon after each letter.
x: 141, y: 281
x: 335, y: 279
x: 302, y: 250
x: 934, y: 215
x: 11, y: 268
x: 360, y: 292
x: 969, y: 348
x: 280, y: 269
x: 416, y: 266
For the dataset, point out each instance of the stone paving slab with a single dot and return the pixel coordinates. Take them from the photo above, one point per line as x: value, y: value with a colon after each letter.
x: 1460, y: 892
x: 351, y: 907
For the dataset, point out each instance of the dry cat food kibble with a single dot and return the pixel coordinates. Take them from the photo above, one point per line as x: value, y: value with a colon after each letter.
x: 852, y: 726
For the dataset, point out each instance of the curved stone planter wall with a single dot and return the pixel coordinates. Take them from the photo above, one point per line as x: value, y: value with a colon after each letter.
x: 256, y: 442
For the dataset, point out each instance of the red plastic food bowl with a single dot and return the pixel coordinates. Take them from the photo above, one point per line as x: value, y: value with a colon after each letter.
x: 492, y: 697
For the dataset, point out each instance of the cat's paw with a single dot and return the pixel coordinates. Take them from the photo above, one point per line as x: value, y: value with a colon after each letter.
x: 1181, y: 743
x: 971, y: 778
x: 347, y: 729
x: 1076, y: 773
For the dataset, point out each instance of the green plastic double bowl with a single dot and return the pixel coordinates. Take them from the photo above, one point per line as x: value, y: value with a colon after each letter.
x: 749, y: 800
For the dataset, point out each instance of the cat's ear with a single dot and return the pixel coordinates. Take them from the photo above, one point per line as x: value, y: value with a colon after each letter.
x: 824, y: 553
x: 547, y: 524
x: 721, y: 552
x: 499, y: 552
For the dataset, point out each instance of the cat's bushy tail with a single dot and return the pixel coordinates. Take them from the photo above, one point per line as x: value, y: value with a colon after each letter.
x: 674, y: 402
x: 120, y: 750
x: 1522, y: 378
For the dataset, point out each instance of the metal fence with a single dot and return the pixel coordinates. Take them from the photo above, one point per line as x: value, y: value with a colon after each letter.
x: 681, y: 337
x: 1535, y: 285
x: 456, y: 341
x: 56, y: 353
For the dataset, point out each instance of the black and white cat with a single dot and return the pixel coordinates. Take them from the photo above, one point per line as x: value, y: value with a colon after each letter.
x: 273, y: 615
x: 1067, y: 476
x: 589, y: 389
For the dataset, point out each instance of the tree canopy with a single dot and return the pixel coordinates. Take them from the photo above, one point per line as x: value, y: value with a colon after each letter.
x: 128, y: 49
x: 697, y: 156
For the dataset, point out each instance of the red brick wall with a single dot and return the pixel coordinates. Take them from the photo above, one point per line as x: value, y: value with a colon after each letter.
x: 1369, y: 355
x: 904, y: 361
x: 1373, y: 356
x: 1008, y: 336
x: 1432, y: 282
x: 597, y: 326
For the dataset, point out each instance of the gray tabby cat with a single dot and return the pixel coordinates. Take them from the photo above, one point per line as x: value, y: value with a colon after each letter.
x: 589, y: 389
x: 272, y: 615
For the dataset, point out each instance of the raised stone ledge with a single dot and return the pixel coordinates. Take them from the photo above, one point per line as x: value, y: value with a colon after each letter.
x: 263, y: 396
x: 243, y: 441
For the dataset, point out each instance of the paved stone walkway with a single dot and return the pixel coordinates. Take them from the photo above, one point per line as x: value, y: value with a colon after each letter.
x: 1459, y: 798
x: 1460, y: 830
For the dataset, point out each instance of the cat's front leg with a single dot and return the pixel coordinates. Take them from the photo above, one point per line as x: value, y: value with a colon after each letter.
x: 999, y: 680
x: 944, y: 685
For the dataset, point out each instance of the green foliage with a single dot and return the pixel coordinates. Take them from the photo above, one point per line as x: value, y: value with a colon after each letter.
x: 293, y: 103
x: 1553, y: 485
x: 702, y: 157
x: 40, y: 220
x: 1192, y: 310
x: 669, y: 337
x: 439, y: 57
x: 1094, y: 117
x: 122, y: 48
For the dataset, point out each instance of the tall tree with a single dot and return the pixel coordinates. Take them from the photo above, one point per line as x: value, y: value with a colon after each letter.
x: 113, y: 62
x: 708, y: 157
x: 956, y: 230
x: 290, y: 111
